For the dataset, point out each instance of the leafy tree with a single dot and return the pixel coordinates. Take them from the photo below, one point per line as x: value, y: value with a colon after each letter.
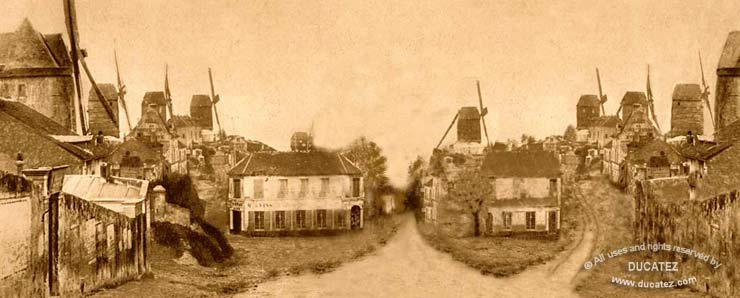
x: 570, y: 133
x: 470, y: 190
x: 415, y: 174
x: 527, y: 139
x: 368, y: 156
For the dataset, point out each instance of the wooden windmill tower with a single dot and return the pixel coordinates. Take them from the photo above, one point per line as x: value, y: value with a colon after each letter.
x: 469, y: 121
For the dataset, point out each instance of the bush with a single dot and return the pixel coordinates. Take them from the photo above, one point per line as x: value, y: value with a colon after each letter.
x: 204, y: 248
x: 181, y: 192
x: 224, y: 246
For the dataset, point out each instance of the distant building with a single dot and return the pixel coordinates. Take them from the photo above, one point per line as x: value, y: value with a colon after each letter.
x: 283, y: 193
x: 35, y: 70
x: 201, y: 110
x: 527, y: 190
x: 687, y: 113
x: 152, y: 128
x: 155, y: 100
x: 637, y: 127
x: 727, y: 94
x: 135, y: 159
x: 186, y: 130
x: 468, y: 125
x: 99, y: 119
x: 587, y: 110
x: 604, y: 129
x: 630, y: 102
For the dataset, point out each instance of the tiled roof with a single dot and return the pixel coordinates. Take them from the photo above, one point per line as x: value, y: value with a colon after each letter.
x: 653, y: 149
x: 729, y: 133
x: 607, y: 121
x: 588, y: 100
x: 313, y: 163
x: 668, y: 189
x: 181, y: 121
x: 27, y: 48
x: 33, y: 118
x: 521, y: 164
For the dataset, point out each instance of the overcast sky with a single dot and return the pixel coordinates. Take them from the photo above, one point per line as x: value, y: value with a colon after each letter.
x: 395, y: 71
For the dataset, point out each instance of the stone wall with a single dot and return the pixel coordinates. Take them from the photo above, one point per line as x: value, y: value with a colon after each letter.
x: 166, y: 212
x: 22, y: 238
x: 707, y: 226
x: 95, y: 246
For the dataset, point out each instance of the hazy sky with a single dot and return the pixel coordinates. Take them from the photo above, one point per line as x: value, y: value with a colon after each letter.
x: 395, y: 71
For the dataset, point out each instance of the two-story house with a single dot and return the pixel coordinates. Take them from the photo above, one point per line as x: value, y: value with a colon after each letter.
x: 526, y: 193
x: 284, y: 193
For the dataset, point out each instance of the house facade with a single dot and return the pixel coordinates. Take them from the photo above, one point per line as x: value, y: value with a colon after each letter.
x: 526, y: 195
x: 284, y: 193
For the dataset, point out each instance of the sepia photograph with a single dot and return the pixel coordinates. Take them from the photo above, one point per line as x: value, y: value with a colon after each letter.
x: 370, y: 148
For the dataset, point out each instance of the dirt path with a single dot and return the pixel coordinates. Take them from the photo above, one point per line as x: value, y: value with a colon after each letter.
x: 408, y: 267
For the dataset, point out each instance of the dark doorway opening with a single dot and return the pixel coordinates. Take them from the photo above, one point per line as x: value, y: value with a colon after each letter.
x: 355, y: 217
x: 236, y: 220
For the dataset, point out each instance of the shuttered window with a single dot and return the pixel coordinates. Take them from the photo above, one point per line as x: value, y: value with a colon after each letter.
x: 300, y: 219
x: 259, y: 189
x: 237, y: 188
x: 506, y: 217
x: 321, y: 218
x: 530, y: 220
x: 324, y: 187
x: 283, y: 191
x: 304, y: 188
x: 259, y: 220
x: 341, y: 220
x: 279, y: 219
x: 355, y: 187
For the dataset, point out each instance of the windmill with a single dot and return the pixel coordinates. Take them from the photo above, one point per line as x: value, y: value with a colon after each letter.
x: 121, y: 90
x: 705, y: 91
x: 483, y: 113
x: 78, y: 58
x: 214, y: 99
x: 651, y: 102
x: 602, y: 96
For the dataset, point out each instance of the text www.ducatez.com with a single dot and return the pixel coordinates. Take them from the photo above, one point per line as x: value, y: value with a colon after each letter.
x: 653, y: 284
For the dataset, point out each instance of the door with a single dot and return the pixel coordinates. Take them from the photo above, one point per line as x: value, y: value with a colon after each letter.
x: 236, y: 220
x: 552, y: 221
x: 355, y: 217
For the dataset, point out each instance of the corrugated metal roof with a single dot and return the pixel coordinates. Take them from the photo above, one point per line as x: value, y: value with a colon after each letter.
x: 95, y: 188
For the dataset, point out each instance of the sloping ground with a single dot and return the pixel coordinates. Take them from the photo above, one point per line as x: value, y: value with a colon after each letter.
x: 613, y: 211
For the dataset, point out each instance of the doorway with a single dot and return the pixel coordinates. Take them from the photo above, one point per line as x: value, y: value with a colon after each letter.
x: 552, y: 222
x: 236, y: 220
x: 355, y: 217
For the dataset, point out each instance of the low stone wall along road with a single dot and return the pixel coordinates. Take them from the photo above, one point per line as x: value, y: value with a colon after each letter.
x: 408, y: 267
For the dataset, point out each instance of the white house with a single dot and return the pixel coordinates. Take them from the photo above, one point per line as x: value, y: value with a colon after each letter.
x: 527, y: 189
x: 281, y: 193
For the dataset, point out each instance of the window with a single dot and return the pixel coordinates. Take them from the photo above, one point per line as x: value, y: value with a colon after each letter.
x: 530, y: 220
x: 21, y: 90
x: 304, y: 188
x: 355, y: 187
x: 259, y: 220
x: 237, y: 188
x: 300, y: 219
x: 341, y: 220
x: 259, y: 190
x: 280, y: 219
x: 553, y: 187
x: 324, y: 187
x: 321, y: 218
x: 283, y: 188
x: 506, y: 218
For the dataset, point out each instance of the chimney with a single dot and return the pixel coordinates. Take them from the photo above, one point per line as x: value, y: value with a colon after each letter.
x: 19, y: 162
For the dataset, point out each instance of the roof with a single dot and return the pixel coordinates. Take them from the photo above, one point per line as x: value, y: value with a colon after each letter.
x: 181, y: 121
x: 668, y: 188
x: 137, y: 148
x: 468, y: 113
x: 652, y: 149
x: 730, y: 57
x: 588, y: 100
x: 702, y: 150
x: 109, y: 91
x: 521, y: 164
x: 200, y: 100
x: 633, y: 97
x: 153, y: 97
x: 96, y: 188
x: 687, y: 92
x: 314, y: 163
x: 607, y: 121
x: 33, y: 118
x: 27, y: 48
x: 729, y: 133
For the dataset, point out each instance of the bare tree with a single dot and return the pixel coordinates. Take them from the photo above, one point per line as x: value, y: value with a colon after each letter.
x: 471, y: 190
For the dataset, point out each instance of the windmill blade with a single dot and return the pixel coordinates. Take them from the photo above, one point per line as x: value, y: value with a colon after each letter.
x: 602, y: 97
x: 70, y: 17
x: 121, y: 90
x: 214, y: 98
x: 483, y: 112
x: 167, y: 94
x: 448, y: 130
x: 705, y: 92
x: 651, y: 105
x: 101, y: 97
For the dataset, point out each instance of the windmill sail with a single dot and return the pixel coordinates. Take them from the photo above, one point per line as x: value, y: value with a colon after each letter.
x: 70, y: 18
x: 483, y: 113
x: 705, y: 91
x: 121, y: 90
x: 167, y: 94
x: 651, y: 104
x: 602, y: 96
x: 214, y: 99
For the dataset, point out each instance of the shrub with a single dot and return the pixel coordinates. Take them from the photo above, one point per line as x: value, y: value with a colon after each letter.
x: 203, y: 248
x: 181, y: 192
x: 225, y: 248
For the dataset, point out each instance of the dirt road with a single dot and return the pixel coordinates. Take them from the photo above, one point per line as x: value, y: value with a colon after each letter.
x: 408, y: 267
